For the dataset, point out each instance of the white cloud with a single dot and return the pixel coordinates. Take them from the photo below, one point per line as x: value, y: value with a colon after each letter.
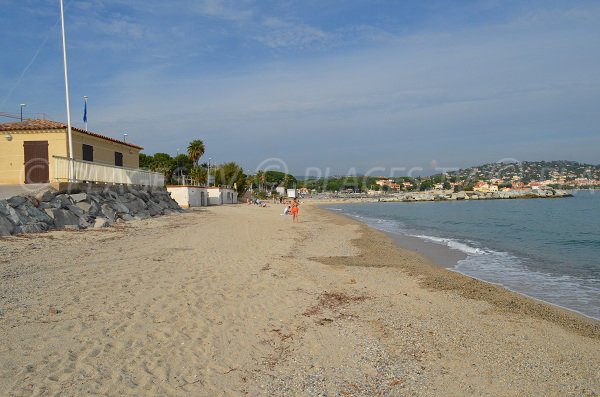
x: 223, y: 9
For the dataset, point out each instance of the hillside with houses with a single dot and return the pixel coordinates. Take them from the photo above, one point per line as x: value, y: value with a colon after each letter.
x: 557, y: 174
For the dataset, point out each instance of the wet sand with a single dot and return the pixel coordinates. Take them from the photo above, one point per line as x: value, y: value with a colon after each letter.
x: 237, y: 300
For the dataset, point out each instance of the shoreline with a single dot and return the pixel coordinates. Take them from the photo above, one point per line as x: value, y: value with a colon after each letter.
x: 441, y: 255
x: 440, y: 278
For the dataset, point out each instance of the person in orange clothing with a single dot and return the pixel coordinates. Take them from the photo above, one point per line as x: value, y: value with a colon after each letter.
x: 295, y: 211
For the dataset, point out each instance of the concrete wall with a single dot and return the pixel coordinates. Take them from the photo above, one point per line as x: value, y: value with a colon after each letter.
x: 189, y: 196
x: 219, y: 196
x: 12, y: 170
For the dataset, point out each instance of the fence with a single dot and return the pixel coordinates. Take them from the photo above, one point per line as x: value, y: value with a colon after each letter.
x: 85, y: 171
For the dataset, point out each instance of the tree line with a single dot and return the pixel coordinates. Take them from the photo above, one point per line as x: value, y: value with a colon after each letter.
x: 185, y: 168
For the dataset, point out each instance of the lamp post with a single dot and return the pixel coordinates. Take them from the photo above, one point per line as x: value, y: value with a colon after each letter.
x: 208, y: 173
x: 179, y: 169
x: 22, y: 106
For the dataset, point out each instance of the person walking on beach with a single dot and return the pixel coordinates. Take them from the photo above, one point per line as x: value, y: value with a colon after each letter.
x: 295, y: 211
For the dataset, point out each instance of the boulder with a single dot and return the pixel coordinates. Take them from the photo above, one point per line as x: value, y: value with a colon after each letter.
x: 142, y: 215
x: 75, y: 210
x: 63, y: 218
x: 35, y: 214
x: 95, y: 197
x: 17, y: 217
x: 4, y: 207
x: 119, y: 208
x: 16, y: 201
x: 154, y: 209
x: 108, y: 212
x: 126, y: 217
x: 36, y: 227
x: 94, y: 208
x: 45, y: 195
x: 44, y: 205
x: 109, y: 194
x: 129, y: 196
x: 85, y: 222
x: 84, y: 206
x: 61, y: 201
x: 78, y: 197
x: 6, y: 227
x: 135, y: 205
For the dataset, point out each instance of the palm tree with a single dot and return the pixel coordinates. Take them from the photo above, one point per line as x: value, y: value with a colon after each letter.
x: 195, y: 150
x: 260, y: 179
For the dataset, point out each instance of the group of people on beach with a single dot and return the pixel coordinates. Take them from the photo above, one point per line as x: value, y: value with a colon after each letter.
x: 293, y: 209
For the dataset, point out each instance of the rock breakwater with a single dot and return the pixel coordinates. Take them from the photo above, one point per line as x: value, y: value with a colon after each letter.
x: 445, y: 195
x: 48, y: 209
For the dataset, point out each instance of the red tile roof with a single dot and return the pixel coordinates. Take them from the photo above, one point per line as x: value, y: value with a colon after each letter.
x: 35, y: 125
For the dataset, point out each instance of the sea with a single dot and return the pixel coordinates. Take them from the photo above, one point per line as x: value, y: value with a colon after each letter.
x: 548, y: 249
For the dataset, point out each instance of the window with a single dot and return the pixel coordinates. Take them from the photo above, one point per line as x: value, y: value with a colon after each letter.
x: 88, y: 152
x: 118, y: 159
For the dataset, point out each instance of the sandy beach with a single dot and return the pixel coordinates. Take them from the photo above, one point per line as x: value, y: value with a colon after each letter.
x: 236, y: 300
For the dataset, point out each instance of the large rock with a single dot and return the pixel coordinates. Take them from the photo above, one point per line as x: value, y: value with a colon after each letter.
x: 140, y: 194
x: 78, y: 197
x: 94, y: 209
x: 64, y: 218
x: 37, y: 227
x: 84, y: 206
x: 16, y: 201
x: 108, y: 212
x: 61, y: 201
x: 126, y: 217
x: 45, y: 195
x: 120, y: 208
x: 17, y: 217
x: 142, y: 215
x: 154, y: 209
x: 135, y: 205
x: 4, y: 207
x: 76, y: 210
x: 109, y: 194
x: 6, y: 227
x: 35, y: 214
x: 95, y: 197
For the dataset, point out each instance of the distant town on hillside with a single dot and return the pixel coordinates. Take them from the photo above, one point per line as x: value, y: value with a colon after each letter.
x: 490, y: 177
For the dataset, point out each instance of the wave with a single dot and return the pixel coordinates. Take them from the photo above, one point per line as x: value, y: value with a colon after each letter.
x: 451, y: 243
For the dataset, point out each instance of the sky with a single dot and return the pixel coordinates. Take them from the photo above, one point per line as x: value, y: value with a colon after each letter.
x: 317, y: 88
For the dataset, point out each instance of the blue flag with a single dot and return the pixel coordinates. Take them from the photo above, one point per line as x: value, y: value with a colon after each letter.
x: 85, y: 112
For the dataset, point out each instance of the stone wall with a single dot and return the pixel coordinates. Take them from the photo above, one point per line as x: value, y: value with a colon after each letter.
x: 49, y: 209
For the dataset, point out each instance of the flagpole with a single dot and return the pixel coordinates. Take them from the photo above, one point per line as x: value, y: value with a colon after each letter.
x: 69, y: 132
x: 85, y: 112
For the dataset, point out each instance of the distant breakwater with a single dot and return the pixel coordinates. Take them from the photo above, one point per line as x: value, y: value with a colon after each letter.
x: 49, y: 209
x: 449, y: 196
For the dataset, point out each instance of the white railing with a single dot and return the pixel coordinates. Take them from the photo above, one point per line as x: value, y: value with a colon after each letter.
x: 85, y: 171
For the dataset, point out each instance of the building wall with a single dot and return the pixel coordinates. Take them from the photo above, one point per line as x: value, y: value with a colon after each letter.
x: 12, y: 169
x: 215, y: 196
x: 189, y: 196
x: 104, y: 151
